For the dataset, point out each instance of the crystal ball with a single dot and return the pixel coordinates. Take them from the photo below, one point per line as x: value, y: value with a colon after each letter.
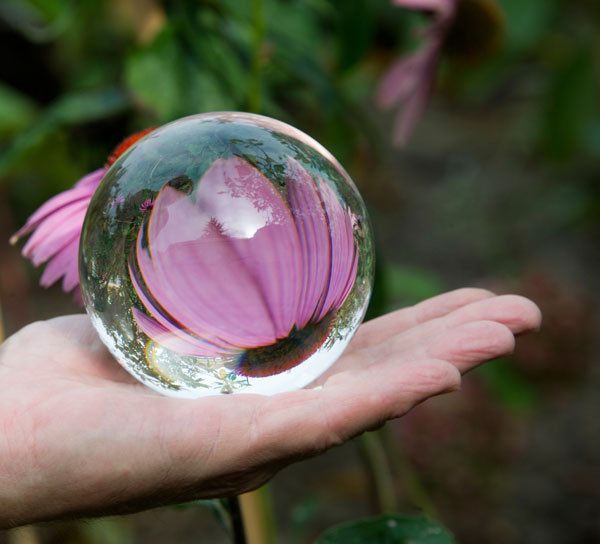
x: 226, y: 253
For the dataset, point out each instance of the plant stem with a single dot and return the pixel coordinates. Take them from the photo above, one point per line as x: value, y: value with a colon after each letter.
x: 415, y: 490
x: 381, y: 473
x: 256, y: 62
x: 237, y: 523
x: 259, y: 518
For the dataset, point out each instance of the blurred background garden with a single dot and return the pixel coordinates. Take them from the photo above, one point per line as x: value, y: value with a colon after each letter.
x: 497, y: 186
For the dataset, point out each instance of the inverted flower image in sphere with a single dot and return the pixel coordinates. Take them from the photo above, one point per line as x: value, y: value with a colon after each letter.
x: 226, y: 253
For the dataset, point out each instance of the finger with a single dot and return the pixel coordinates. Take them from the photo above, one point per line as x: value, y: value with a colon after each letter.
x: 465, y: 346
x: 468, y: 345
x: 310, y: 421
x: 380, y: 329
x: 517, y: 313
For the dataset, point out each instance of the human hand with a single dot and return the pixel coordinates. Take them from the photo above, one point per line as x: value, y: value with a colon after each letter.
x: 80, y: 437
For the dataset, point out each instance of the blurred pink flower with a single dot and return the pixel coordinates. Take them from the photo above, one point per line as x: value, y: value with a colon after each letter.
x: 57, y: 225
x: 253, y: 267
x: 409, y: 81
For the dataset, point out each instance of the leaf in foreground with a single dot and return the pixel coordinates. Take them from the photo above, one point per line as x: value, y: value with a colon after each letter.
x: 387, y: 529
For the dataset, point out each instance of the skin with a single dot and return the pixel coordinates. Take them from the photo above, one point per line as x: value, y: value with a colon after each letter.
x: 80, y: 437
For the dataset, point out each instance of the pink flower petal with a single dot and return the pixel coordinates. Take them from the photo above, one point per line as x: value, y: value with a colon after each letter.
x: 77, y: 298
x: 442, y: 8
x: 415, y: 104
x: 82, y: 190
x: 169, y: 338
x: 216, y: 293
x: 158, y: 266
x: 343, y: 251
x: 410, y: 79
x: 71, y: 276
x: 51, y: 235
x: 401, y: 79
x: 219, y: 293
x: 61, y: 261
x: 210, y: 348
x: 57, y: 226
x: 311, y: 222
x: 242, y: 269
x: 261, y: 231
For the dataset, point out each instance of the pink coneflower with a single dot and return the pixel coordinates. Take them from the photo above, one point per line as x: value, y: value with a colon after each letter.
x: 146, y: 205
x: 409, y: 81
x: 259, y: 275
x: 57, y: 225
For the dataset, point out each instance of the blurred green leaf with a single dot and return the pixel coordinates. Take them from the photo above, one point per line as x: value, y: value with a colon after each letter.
x: 225, y: 64
x: 86, y: 106
x: 397, y: 529
x: 38, y: 20
x: 46, y: 170
x: 50, y: 8
x: 593, y: 137
x: 155, y: 76
x: 107, y: 531
x: 301, y: 515
x: 74, y: 108
x: 410, y: 285
x: 568, y: 114
x: 172, y: 77
x: 509, y: 387
x: 294, y: 24
x: 526, y: 21
x: 354, y: 32
x: 16, y: 110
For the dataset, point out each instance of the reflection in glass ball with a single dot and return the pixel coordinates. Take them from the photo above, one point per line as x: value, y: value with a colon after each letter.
x: 226, y: 253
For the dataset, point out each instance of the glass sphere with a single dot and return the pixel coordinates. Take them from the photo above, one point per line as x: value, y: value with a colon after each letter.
x: 226, y: 253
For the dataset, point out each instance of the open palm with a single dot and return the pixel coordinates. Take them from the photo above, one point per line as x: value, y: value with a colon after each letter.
x: 79, y: 436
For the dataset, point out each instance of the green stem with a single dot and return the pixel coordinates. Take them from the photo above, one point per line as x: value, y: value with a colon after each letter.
x: 256, y: 62
x: 415, y: 490
x: 237, y: 523
x: 381, y: 473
